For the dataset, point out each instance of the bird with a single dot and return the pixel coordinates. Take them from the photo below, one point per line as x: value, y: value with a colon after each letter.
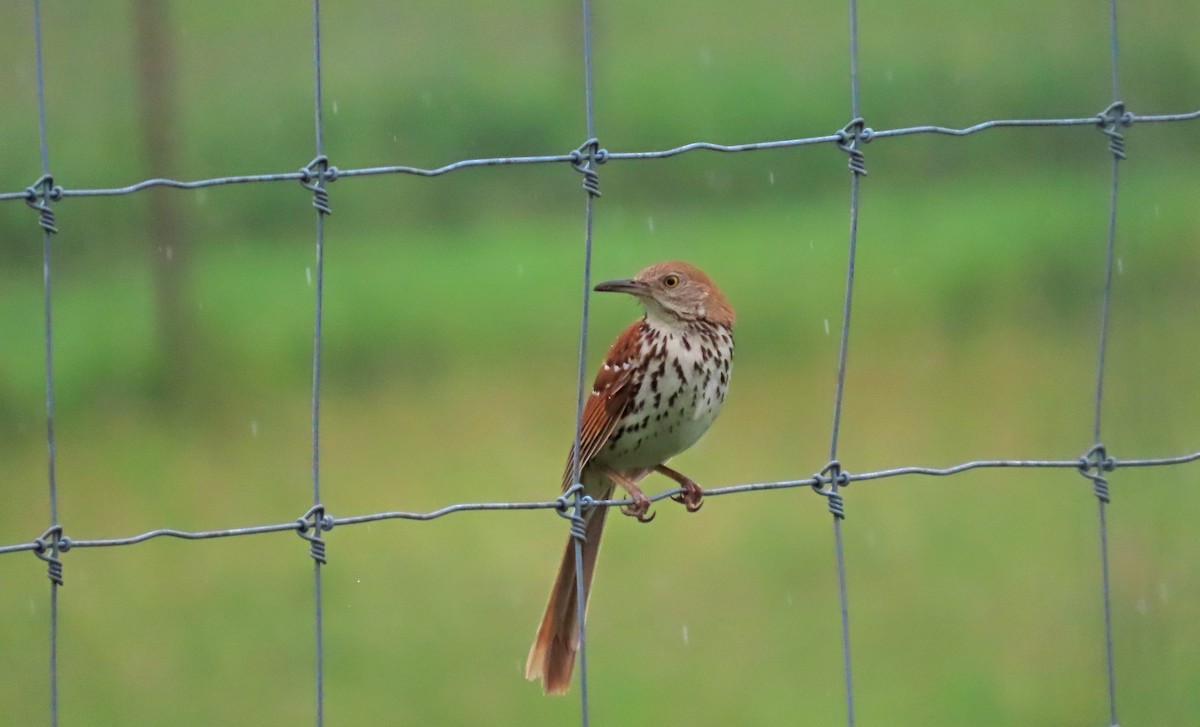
x: 661, y: 385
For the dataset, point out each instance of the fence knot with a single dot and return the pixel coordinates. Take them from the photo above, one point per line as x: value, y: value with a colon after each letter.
x: 47, y: 547
x: 832, y: 475
x: 585, y: 159
x: 571, y: 505
x: 850, y: 139
x: 313, y: 177
x: 39, y: 195
x: 310, y: 526
x: 1110, y: 120
x: 1097, y: 459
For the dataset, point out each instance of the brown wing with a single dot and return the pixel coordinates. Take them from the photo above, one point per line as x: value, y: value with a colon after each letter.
x: 611, y: 393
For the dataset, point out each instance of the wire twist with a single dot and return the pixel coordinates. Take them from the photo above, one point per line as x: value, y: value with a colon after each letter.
x: 1097, y: 459
x: 832, y: 475
x: 571, y: 505
x: 850, y: 139
x: 39, y: 195
x: 1111, y: 120
x: 310, y: 525
x: 314, y: 176
x: 585, y: 159
x: 48, y: 546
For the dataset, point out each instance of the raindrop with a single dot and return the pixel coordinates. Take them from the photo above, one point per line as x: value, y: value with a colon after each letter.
x: 254, y: 428
x: 771, y: 178
x: 1141, y: 606
x: 685, y: 635
x: 308, y: 275
x: 335, y: 107
x: 650, y: 223
x: 705, y: 57
x: 1120, y: 267
x: 826, y: 326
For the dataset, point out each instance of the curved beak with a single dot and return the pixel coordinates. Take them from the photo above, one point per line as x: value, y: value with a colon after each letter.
x: 632, y: 287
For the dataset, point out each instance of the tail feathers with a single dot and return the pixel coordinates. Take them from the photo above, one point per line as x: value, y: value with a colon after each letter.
x: 552, y: 656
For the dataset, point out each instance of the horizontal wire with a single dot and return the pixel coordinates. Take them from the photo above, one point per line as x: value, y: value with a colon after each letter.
x: 815, y: 480
x: 334, y: 173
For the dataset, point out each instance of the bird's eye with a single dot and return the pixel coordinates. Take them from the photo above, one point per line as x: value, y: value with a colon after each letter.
x: 671, y: 281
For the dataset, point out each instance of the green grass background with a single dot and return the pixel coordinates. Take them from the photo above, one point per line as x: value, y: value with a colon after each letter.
x: 451, y: 319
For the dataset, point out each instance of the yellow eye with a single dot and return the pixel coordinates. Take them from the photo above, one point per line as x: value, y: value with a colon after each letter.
x: 671, y: 281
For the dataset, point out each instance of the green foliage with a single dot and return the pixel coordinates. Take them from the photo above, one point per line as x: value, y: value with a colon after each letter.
x: 449, y: 365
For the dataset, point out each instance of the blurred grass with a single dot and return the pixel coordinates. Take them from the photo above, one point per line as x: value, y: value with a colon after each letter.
x: 452, y: 308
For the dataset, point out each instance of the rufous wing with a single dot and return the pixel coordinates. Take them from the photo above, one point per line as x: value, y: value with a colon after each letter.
x: 611, y: 394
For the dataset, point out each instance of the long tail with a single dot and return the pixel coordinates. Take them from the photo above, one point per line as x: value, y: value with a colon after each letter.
x: 552, y: 656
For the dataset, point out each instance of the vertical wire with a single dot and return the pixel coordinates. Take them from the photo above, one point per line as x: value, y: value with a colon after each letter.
x: 316, y: 368
x: 839, y: 548
x: 843, y: 599
x: 51, y: 447
x: 1105, y: 308
x: 580, y: 596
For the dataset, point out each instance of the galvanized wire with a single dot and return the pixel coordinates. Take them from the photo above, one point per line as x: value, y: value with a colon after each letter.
x: 609, y: 155
x: 1100, y: 483
x: 585, y: 162
x: 821, y: 479
x: 317, y: 512
x: 48, y: 551
x: 852, y: 138
x: 1096, y: 464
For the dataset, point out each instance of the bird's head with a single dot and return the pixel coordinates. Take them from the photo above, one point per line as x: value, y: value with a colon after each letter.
x: 675, y: 292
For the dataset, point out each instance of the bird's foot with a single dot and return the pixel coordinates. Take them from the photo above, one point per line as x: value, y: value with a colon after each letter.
x: 692, y: 496
x: 640, y: 508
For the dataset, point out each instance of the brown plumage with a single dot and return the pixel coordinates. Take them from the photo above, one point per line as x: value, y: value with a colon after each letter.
x: 661, y: 385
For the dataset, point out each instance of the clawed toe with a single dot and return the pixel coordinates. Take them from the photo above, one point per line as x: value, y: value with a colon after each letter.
x: 640, y: 509
x: 692, y: 496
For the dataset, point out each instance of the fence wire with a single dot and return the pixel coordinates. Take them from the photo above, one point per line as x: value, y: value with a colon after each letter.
x: 1095, y: 464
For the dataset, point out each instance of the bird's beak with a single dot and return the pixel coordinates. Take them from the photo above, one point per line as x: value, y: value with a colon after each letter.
x: 633, y: 287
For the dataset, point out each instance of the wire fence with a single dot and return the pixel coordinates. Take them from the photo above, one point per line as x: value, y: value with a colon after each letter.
x: 1095, y: 464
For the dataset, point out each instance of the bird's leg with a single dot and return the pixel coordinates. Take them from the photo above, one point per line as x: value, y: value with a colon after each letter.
x: 692, y: 495
x: 640, y: 508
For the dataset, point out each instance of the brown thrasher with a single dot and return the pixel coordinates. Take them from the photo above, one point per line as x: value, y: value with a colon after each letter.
x: 661, y: 386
